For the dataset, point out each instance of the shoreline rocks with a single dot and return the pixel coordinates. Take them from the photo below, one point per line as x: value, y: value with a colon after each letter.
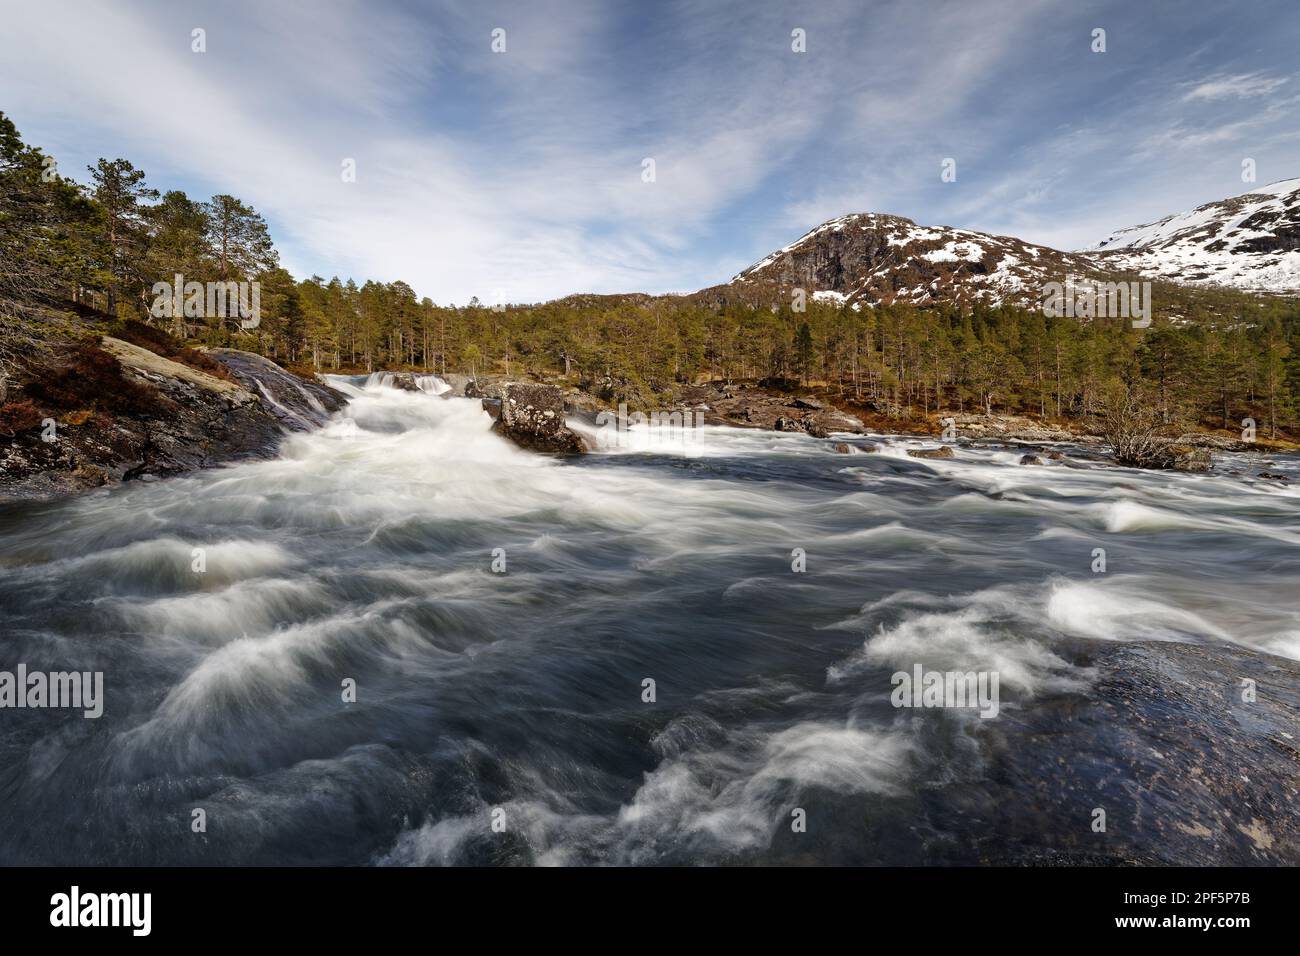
x: 748, y: 407
x: 298, y: 403
x: 180, y: 419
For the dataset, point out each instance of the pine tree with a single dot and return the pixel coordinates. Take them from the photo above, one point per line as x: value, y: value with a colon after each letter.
x: 803, y: 352
x: 177, y: 247
x: 238, y: 239
x: 120, y: 191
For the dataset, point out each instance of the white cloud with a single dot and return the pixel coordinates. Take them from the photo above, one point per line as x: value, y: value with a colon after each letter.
x: 541, y: 194
x: 1241, y: 85
x: 521, y: 171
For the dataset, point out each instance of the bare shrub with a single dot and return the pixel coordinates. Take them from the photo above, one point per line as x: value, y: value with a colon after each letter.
x: 1135, y: 428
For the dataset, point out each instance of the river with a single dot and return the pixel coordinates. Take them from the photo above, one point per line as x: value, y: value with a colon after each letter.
x: 497, y: 616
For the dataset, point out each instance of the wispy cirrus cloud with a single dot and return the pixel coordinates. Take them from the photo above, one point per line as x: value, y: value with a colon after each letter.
x: 522, y: 171
x: 1242, y: 85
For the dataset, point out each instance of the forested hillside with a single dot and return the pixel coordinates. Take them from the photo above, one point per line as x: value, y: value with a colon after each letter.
x: 72, y: 254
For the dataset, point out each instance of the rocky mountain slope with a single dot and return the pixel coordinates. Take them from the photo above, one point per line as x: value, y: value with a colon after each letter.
x: 872, y: 258
x: 1250, y: 241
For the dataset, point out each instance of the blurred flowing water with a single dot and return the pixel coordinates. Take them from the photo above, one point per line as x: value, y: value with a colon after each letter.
x: 365, y: 552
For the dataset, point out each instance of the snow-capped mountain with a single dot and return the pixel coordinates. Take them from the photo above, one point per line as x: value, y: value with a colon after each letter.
x: 872, y: 258
x: 1250, y: 241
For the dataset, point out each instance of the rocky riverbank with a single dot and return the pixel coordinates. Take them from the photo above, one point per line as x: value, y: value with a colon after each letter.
x: 131, y: 413
x: 116, y: 411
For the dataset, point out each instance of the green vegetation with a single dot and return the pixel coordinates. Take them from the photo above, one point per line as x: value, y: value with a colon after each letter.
x: 1211, y: 358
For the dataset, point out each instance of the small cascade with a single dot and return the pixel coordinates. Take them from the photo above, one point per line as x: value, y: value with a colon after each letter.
x: 300, y: 405
x: 407, y: 381
x: 432, y: 384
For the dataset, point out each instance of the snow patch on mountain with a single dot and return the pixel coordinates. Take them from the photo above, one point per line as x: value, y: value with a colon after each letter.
x: 1250, y: 241
x: 869, y: 258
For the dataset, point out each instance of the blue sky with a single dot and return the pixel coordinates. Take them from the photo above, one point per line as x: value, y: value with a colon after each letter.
x: 517, y: 175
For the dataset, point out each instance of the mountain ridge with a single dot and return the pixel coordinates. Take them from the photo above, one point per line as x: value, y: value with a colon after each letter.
x: 1249, y: 242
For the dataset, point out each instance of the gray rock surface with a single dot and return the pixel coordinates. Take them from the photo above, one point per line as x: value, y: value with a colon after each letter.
x: 192, y: 420
x: 532, y: 416
x: 1187, y: 771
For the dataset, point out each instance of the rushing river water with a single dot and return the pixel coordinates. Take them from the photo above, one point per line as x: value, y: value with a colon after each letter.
x: 365, y: 553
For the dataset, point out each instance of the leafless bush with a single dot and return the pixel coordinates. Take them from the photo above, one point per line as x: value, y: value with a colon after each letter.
x: 1135, y: 428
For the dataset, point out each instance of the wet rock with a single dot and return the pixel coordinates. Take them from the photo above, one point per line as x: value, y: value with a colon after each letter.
x: 1273, y: 476
x: 87, y: 475
x: 817, y: 428
x: 784, y: 424
x: 532, y: 416
x: 843, y: 448
x: 1188, y: 772
x: 1056, y: 456
x: 944, y: 452
x: 300, y: 404
x: 1030, y: 460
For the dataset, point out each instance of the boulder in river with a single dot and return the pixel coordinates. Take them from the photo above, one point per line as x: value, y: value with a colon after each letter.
x: 532, y: 416
x: 1187, y: 458
x: 942, y: 452
x: 1030, y: 460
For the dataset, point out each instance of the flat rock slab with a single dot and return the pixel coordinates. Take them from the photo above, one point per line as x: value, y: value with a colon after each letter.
x: 150, y: 363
